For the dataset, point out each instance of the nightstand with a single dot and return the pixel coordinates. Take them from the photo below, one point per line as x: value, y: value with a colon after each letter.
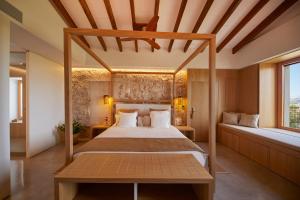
x: 187, y: 131
x: 97, y: 129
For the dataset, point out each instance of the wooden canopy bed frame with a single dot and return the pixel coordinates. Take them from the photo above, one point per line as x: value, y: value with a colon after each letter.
x: 76, y: 33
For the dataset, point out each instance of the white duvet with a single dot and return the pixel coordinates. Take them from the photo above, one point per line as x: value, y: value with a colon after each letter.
x: 148, y: 132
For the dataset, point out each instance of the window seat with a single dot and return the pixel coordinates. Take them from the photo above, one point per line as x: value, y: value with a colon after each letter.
x: 275, y: 149
x: 280, y: 136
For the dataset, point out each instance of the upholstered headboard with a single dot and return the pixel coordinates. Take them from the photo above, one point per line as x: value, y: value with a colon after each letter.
x: 142, y: 108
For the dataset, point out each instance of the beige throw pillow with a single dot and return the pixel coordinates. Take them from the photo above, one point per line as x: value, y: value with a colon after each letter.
x: 230, y: 118
x: 249, y: 120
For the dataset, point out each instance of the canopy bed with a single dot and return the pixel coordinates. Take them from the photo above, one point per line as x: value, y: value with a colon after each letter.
x: 141, y: 159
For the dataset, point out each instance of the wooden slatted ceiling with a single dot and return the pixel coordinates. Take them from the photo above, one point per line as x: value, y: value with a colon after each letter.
x: 217, y: 28
x: 178, y: 20
x: 223, y: 20
x: 91, y: 19
x: 266, y: 22
x: 156, y: 9
x: 260, y: 4
x: 132, y: 10
x: 66, y: 17
x: 112, y: 21
x: 199, y: 21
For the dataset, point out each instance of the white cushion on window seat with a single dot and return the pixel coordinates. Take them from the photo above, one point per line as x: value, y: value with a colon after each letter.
x: 273, y: 134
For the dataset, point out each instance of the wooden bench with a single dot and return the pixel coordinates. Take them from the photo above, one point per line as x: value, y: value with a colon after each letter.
x: 281, y: 157
x: 134, y: 176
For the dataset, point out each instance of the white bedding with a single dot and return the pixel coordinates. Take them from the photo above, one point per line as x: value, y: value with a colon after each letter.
x: 148, y: 132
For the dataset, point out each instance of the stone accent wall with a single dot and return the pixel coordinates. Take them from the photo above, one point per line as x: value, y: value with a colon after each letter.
x: 81, y: 79
x: 138, y: 87
x: 143, y: 87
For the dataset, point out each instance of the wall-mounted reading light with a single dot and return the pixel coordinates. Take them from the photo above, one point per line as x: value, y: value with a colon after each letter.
x: 106, y: 99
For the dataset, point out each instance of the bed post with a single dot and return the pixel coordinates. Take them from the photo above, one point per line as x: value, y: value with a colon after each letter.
x: 68, y: 97
x: 212, y: 107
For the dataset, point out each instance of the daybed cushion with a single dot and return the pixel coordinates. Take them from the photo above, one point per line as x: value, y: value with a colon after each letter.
x: 274, y: 134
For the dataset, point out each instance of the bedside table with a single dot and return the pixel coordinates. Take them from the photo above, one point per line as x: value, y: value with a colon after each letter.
x: 187, y: 131
x: 97, y: 129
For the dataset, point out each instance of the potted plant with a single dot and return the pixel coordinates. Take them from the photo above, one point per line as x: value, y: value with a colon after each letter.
x: 77, y: 129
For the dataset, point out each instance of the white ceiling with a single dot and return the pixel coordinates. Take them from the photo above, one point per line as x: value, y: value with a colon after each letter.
x: 168, y: 10
x: 41, y: 19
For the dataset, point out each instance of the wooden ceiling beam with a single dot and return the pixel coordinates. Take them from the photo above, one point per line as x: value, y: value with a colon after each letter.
x: 61, y: 10
x: 223, y: 20
x: 138, y: 34
x: 264, y: 24
x: 92, y: 21
x: 260, y: 4
x: 178, y: 20
x: 199, y: 21
x: 91, y: 53
x: 156, y: 9
x: 112, y: 21
x: 132, y: 10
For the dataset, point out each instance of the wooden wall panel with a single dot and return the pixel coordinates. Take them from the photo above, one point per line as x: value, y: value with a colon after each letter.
x: 226, y: 92
x: 248, y: 89
x: 267, y: 95
x: 280, y: 158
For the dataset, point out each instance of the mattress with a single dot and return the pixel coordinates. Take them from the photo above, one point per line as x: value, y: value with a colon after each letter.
x: 147, y: 132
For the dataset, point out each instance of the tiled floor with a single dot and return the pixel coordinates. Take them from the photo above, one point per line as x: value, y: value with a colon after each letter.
x: 246, y: 180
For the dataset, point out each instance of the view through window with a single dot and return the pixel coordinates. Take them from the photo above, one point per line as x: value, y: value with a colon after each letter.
x: 292, y: 95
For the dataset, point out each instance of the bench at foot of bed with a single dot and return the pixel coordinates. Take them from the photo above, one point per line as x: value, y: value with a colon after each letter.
x: 134, y: 176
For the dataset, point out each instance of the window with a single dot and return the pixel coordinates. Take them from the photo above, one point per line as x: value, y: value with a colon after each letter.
x: 291, y: 95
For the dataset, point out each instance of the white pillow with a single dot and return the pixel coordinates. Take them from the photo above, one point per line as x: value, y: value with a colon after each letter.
x: 160, y: 119
x: 127, y: 120
x: 249, y: 120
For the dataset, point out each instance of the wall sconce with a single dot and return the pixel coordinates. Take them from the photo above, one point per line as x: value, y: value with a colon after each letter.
x: 106, y: 99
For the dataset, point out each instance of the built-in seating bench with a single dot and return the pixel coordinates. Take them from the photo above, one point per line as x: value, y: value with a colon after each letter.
x: 276, y: 149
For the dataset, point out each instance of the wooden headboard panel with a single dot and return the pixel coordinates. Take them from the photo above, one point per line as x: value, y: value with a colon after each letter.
x: 142, y: 108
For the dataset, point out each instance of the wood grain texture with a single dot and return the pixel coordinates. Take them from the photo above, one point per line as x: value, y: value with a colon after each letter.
x: 259, y: 5
x: 92, y: 21
x: 139, y: 34
x: 268, y: 95
x: 112, y: 21
x: 135, y: 168
x: 285, y: 5
x: 156, y: 9
x: 212, y: 108
x: 249, y: 90
x: 227, y: 96
x: 199, y: 21
x: 178, y: 20
x: 59, y: 7
x: 68, y: 98
x: 133, y: 20
x: 91, y: 53
x: 281, y: 158
x: 223, y: 20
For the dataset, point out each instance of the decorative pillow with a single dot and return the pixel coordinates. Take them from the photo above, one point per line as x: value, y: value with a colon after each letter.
x: 249, y: 120
x: 140, y: 121
x: 127, y: 120
x: 160, y: 119
x: 146, y: 121
x: 230, y: 118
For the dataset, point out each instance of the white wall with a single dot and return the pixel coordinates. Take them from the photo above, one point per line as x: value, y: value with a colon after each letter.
x: 45, y: 84
x: 13, y: 98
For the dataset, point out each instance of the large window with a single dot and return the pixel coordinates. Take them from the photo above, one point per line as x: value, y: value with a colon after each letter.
x: 291, y: 95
